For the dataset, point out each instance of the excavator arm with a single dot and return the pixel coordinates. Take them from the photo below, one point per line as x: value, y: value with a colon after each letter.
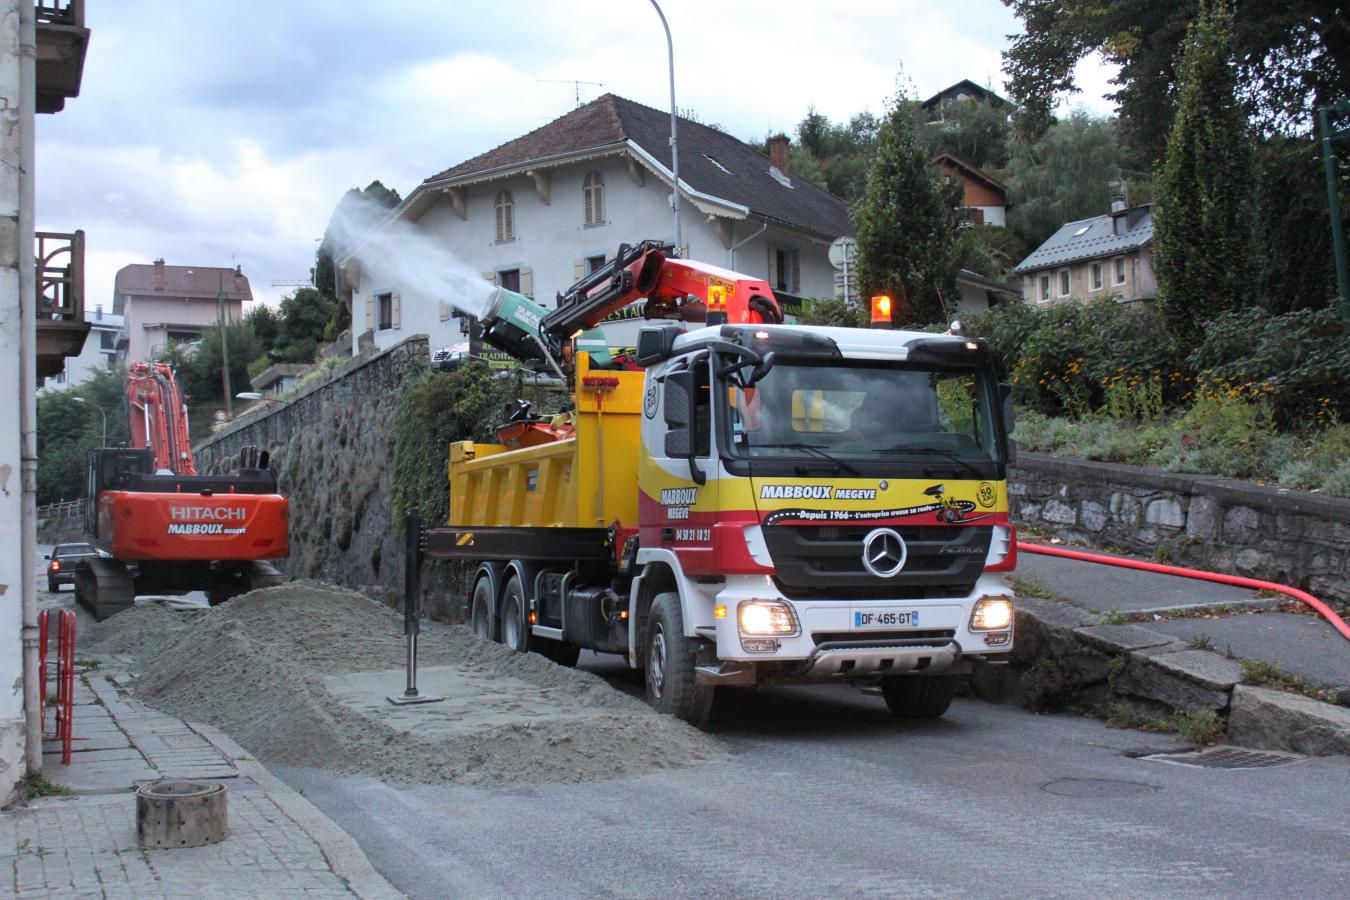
x: 157, y: 417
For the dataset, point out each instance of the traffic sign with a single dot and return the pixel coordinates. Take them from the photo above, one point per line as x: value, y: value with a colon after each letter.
x: 842, y: 252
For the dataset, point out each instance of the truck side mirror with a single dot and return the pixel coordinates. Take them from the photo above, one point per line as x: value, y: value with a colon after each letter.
x: 679, y: 413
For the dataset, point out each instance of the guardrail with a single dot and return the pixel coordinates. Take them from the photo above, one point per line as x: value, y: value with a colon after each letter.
x: 66, y: 509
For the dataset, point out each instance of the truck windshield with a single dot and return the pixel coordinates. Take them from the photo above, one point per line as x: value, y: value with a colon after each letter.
x: 866, y: 412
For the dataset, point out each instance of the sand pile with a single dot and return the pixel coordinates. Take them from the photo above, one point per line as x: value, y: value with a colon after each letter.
x: 261, y: 667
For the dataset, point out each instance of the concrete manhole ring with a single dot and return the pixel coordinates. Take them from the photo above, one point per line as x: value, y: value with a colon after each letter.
x: 1097, y: 788
x: 173, y: 814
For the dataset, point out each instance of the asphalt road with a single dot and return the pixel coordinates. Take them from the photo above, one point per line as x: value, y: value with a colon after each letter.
x: 824, y: 794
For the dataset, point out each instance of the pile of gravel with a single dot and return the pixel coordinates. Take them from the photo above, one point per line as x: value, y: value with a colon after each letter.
x: 140, y: 631
x: 255, y: 668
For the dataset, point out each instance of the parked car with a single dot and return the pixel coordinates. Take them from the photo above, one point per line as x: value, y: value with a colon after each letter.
x: 64, y: 558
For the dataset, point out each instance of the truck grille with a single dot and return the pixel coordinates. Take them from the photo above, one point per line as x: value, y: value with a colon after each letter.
x: 824, y: 562
x: 937, y: 635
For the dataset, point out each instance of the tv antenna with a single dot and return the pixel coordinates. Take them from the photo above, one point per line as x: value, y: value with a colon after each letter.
x: 576, y: 85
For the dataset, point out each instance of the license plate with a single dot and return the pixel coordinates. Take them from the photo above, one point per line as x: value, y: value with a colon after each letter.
x: 908, y: 618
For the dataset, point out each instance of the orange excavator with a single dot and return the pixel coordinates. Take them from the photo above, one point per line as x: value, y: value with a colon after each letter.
x: 167, y: 529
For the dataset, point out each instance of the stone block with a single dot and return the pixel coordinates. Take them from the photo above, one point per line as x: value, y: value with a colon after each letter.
x: 1155, y: 678
x: 1202, y: 518
x: 1059, y: 512
x: 1274, y: 720
x: 1206, y: 669
x: 1166, y: 511
x: 1251, y: 561
x: 1241, y: 525
x: 1122, y: 638
x: 1092, y: 515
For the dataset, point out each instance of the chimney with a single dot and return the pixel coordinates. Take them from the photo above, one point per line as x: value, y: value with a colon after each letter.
x: 1117, y: 203
x: 778, y: 154
x: 159, y: 274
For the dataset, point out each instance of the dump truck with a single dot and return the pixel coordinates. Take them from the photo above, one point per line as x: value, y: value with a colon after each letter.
x: 165, y: 528
x: 740, y: 501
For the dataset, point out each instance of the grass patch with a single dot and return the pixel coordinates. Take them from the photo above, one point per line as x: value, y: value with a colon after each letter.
x: 1115, y: 617
x: 1203, y: 726
x: 38, y: 785
x: 1030, y: 587
x: 1270, y: 675
x: 1120, y: 714
x: 1201, y: 642
x: 89, y: 664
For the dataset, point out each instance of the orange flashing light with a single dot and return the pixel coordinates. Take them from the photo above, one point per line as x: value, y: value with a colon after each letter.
x: 881, y: 311
x: 717, y: 296
x: 719, y: 612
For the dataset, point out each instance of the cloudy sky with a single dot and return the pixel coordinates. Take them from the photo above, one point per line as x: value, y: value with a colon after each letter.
x: 223, y: 132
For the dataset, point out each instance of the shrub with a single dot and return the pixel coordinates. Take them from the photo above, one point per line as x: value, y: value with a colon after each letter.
x: 1220, y: 435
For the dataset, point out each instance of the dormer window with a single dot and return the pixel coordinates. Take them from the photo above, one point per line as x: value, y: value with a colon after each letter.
x: 593, y: 194
x: 506, y: 217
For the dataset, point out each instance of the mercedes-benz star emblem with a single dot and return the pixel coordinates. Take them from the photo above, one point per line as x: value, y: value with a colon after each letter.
x: 884, y: 553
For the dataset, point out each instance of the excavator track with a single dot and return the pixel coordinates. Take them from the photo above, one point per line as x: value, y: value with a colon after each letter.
x: 104, y: 587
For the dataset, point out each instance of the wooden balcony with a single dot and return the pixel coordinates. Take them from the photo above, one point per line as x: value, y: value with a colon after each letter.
x: 61, y: 328
x: 62, y: 41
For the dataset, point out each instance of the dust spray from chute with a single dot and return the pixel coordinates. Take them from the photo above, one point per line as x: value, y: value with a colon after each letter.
x: 391, y: 252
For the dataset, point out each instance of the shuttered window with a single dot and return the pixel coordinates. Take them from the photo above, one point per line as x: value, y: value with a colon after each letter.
x: 593, y: 191
x: 506, y: 217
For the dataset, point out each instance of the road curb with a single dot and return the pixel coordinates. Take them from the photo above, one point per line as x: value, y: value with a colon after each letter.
x: 346, y: 858
x: 1065, y: 658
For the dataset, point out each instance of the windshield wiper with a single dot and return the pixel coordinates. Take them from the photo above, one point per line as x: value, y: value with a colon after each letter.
x: 936, y: 451
x: 817, y: 450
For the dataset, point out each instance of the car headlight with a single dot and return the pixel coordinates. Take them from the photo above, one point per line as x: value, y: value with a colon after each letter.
x: 991, y: 614
x: 766, y: 617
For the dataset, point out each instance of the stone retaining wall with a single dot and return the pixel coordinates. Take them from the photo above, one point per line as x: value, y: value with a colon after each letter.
x: 332, y: 447
x: 1274, y: 534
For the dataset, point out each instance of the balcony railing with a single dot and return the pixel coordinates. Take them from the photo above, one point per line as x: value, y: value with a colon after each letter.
x: 60, y: 276
x: 60, y: 12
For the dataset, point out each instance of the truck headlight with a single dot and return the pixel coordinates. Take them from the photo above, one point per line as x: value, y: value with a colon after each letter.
x: 766, y: 617
x: 991, y: 614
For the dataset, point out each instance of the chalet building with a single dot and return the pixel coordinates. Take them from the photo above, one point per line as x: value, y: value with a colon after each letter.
x: 984, y: 199
x: 163, y: 304
x: 540, y: 211
x: 963, y: 90
x: 1110, y: 255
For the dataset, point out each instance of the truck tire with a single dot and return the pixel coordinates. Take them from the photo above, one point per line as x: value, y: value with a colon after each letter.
x: 917, y: 697
x: 515, y: 625
x: 481, y: 621
x: 670, y: 655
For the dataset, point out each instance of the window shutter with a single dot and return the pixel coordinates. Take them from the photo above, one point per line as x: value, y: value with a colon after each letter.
x: 578, y: 270
x: 445, y: 311
x: 797, y: 271
x: 510, y: 221
x: 773, y: 267
x: 370, y: 312
x: 527, y: 281
x: 589, y: 195
x: 394, y: 315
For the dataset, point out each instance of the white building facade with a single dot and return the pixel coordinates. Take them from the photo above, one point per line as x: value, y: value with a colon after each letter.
x: 104, y: 347
x: 535, y: 220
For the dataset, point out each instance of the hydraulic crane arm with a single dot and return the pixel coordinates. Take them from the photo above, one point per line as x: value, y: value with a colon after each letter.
x: 157, y: 416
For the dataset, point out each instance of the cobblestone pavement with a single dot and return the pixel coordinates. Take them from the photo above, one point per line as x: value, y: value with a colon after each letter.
x: 84, y: 844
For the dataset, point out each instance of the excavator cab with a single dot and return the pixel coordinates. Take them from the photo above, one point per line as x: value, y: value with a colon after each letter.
x: 113, y: 469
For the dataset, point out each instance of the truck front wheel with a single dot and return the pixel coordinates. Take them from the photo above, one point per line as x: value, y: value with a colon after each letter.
x: 671, y: 684
x: 917, y: 697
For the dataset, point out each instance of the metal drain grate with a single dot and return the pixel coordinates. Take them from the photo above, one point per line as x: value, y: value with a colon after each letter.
x: 1223, y: 757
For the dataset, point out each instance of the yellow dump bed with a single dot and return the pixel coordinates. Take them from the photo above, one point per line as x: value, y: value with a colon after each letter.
x: 586, y: 481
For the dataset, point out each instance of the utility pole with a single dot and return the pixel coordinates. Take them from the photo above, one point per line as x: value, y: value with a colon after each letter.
x: 224, y: 347
x: 674, y: 149
x: 1334, y: 199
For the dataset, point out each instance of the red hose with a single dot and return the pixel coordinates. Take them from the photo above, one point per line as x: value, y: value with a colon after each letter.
x: 1303, y: 596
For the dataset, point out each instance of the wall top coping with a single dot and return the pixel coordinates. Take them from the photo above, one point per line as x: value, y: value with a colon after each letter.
x: 338, y: 372
x: 1269, y: 498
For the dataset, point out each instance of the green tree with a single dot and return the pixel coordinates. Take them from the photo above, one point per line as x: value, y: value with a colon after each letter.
x: 199, y: 370
x: 1204, y: 224
x: 1066, y: 174
x: 266, y: 324
x: 835, y: 155
x: 304, y: 318
x: 905, y: 224
x: 1291, y: 56
x: 68, y: 429
x: 973, y: 130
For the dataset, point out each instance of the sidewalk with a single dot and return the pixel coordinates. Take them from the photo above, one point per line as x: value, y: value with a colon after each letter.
x: 84, y: 844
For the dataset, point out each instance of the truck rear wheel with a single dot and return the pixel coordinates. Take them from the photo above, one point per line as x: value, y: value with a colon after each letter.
x: 670, y: 655
x: 481, y: 620
x: 515, y: 624
x: 917, y: 697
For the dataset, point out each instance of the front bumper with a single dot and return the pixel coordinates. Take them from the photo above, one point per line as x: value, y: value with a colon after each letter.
x: 828, y: 644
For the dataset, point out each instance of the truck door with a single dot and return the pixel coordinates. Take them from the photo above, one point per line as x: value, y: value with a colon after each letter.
x: 679, y: 481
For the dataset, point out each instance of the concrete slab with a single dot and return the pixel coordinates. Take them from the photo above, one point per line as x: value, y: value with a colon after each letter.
x: 1304, y: 645
x: 1122, y: 638
x: 473, y: 700
x: 1206, y: 669
x: 1275, y: 720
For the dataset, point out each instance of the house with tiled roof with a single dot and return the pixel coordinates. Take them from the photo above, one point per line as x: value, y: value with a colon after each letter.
x: 162, y: 304
x: 964, y: 90
x: 539, y: 212
x: 984, y: 199
x: 1110, y: 255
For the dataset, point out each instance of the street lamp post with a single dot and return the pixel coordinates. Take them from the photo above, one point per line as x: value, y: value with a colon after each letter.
x: 674, y: 149
x: 101, y: 413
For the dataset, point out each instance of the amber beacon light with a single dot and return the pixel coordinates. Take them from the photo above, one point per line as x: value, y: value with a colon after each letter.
x: 881, y: 311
